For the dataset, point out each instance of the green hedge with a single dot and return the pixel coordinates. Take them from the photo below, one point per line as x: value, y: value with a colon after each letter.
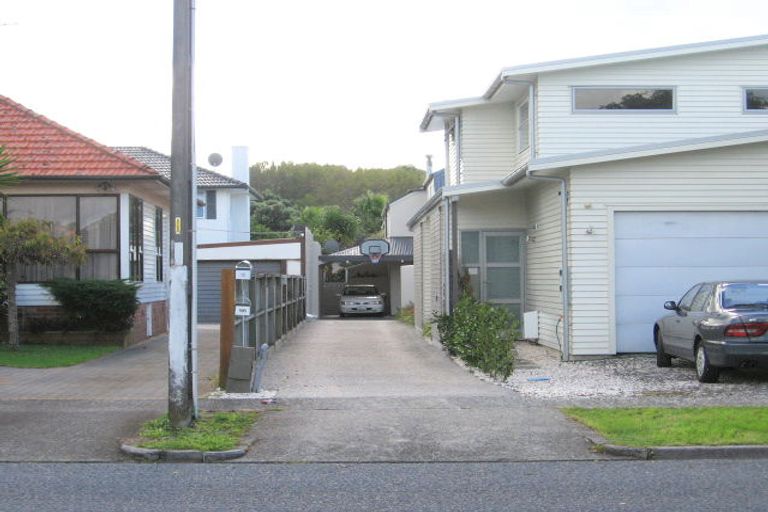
x: 96, y: 305
x: 481, y: 335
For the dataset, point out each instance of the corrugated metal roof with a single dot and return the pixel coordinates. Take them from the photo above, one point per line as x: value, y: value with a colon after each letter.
x: 162, y: 164
x: 400, y: 248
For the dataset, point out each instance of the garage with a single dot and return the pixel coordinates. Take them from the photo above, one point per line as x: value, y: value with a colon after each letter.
x: 659, y: 255
x: 209, y: 285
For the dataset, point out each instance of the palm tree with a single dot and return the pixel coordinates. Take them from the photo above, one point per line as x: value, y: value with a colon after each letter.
x: 7, y: 176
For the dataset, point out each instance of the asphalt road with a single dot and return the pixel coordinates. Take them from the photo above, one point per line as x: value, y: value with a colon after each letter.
x: 537, y: 486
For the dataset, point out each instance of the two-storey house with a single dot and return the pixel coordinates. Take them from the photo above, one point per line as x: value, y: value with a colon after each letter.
x: 584, y: 193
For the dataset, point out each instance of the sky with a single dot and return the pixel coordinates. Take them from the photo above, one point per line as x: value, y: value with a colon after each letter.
x: 326, y: 81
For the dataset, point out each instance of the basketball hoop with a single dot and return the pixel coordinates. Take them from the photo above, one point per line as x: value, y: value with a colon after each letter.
x: 374, y: 249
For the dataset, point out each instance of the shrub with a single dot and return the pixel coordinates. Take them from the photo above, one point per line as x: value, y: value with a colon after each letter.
x: 481, y: 335
x: 97, y: 305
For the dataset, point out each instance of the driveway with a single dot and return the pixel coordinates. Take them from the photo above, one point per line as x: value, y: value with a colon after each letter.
x: 80, y: 412
x: 373, y: 390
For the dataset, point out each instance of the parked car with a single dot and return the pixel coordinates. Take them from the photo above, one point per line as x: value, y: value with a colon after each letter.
x: 716, y: 325
x: 361, y: 299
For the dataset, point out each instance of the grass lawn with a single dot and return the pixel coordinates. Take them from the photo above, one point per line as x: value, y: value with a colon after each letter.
x: 654, y: 426
x: 51, y: 356
x: 212, y: 432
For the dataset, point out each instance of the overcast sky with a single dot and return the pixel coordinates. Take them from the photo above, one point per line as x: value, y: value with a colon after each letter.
x: 328, y: 81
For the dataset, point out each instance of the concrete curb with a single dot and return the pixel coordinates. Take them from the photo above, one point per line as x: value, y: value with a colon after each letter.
x: 681, y: 452
x: 154, y: 455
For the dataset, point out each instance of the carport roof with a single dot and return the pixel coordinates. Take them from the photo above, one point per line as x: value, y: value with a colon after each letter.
x: 400, y: 251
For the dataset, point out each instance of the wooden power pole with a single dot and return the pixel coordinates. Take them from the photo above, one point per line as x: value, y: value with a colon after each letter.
x: 183, y: 197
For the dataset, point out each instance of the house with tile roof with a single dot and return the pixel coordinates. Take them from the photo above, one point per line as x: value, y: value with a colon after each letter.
x: 117, y: 204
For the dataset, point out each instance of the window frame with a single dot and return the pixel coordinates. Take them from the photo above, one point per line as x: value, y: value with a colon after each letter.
x: 751, y: 111
x: 519, y: 108
x: 159, y: 244
x: 624, y: 111
x: 136, y: 265
x: 116, y: 251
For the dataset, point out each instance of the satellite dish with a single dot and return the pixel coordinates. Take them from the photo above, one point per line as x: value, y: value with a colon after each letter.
x: 215, y: 159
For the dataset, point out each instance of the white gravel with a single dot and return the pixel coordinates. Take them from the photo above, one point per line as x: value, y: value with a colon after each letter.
x: 626, y: 379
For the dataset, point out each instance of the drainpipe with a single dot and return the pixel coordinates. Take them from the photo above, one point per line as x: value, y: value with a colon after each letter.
x: 447, y: 257
x: 564, y: 274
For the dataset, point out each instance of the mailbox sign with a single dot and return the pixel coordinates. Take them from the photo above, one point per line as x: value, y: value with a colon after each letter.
x: 243, y: 274
x: 242, y: 310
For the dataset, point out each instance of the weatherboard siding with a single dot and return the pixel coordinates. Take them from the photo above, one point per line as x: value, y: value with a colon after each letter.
x: 709, y: 100
x: 726, y: 179
x: 428, y: 255
x: 543, y: 261
x: 488, y: 147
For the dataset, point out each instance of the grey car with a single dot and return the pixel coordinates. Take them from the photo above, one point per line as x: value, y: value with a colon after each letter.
x: 716, y: 325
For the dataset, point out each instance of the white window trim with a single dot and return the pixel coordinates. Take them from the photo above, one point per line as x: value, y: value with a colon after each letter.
x: 520, y: 146
x: 744, y: 108
x: 624, y: 112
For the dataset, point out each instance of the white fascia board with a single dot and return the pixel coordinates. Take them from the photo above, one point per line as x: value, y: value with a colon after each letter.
x: 634, y: 55
x: 472, y: 188
x: 446, y: 108
x: 681, y: 146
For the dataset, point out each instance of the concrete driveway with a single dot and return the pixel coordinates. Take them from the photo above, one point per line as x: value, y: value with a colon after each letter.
x: 79, y: 413
x: 373, y: 390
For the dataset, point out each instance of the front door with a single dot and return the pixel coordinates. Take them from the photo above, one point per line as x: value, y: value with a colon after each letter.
x: 492, y: 260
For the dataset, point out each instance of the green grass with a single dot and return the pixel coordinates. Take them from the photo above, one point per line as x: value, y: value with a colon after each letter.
x: 212, y: 432
x: 51, y: 356
x: 406, y: 315
x: 653, y: 426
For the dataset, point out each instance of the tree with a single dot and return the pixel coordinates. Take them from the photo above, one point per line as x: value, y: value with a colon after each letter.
x: 369, y: 208
x: 31, y: 241
x: 273, y: 213
x: 7, y: 176
x: 331, y: 223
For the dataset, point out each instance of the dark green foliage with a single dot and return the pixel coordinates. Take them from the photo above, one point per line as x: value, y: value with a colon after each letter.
x: 369, y: 208
x: 97, y: 305
x: 331, y: 223
x: 481, y: 335
x: 274, y: 213
x: 311, y: 184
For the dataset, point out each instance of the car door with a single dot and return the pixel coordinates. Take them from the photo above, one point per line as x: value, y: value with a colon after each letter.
x: 673, y: 326
x: 689, y: 328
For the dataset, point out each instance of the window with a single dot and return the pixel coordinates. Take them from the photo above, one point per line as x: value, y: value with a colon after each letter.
x: 93, y: 218
x: 523, y: 128
x: 136, y: 239
x: 158, y: 244
x: 206, y: 204
x: 685, y: 302
x: 756, y: 99
x: 703, y: 298
x: 624, y: 98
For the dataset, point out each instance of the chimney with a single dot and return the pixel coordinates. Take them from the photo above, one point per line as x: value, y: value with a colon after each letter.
x: 429, y: 165
x: 240, y: 163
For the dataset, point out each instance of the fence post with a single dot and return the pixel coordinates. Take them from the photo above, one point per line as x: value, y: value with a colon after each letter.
x: 227, y: 330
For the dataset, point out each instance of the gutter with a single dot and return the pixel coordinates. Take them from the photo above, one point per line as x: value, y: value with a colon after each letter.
x: 529, y: 173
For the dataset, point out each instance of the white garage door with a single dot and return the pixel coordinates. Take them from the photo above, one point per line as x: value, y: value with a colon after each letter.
x: 659, y: 255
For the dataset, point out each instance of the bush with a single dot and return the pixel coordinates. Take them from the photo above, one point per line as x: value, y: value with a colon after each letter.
x: 96, y: 305
x: 481, y: 335
x: 406, y: 314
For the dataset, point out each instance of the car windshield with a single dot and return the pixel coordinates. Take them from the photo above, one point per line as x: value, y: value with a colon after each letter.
x: 744, y: 295
x: 359, y: 291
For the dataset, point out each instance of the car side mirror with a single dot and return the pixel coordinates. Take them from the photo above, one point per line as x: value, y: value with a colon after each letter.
x: 670, y: 305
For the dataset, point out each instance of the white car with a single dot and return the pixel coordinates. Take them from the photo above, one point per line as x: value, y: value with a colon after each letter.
x: 361, y: 299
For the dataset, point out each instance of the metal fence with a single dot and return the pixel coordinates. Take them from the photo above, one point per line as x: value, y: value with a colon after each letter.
x: 256, y: 311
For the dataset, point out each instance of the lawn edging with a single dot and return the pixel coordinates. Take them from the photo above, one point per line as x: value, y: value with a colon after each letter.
x: 757, y: 451
x: 156, y: 454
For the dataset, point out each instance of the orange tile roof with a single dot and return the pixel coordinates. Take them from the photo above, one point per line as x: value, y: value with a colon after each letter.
x: 41, y: 148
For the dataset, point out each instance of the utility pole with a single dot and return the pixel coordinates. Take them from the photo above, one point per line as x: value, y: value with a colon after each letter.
x: 183, y: 197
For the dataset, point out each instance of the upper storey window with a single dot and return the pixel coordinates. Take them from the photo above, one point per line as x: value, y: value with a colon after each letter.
x: 590, y: 99
x: 756, y: 99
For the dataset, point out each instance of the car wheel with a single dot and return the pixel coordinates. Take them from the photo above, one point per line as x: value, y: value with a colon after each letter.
x: 342, y: 315
x: 704, y: 369
x: 663, y: 360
